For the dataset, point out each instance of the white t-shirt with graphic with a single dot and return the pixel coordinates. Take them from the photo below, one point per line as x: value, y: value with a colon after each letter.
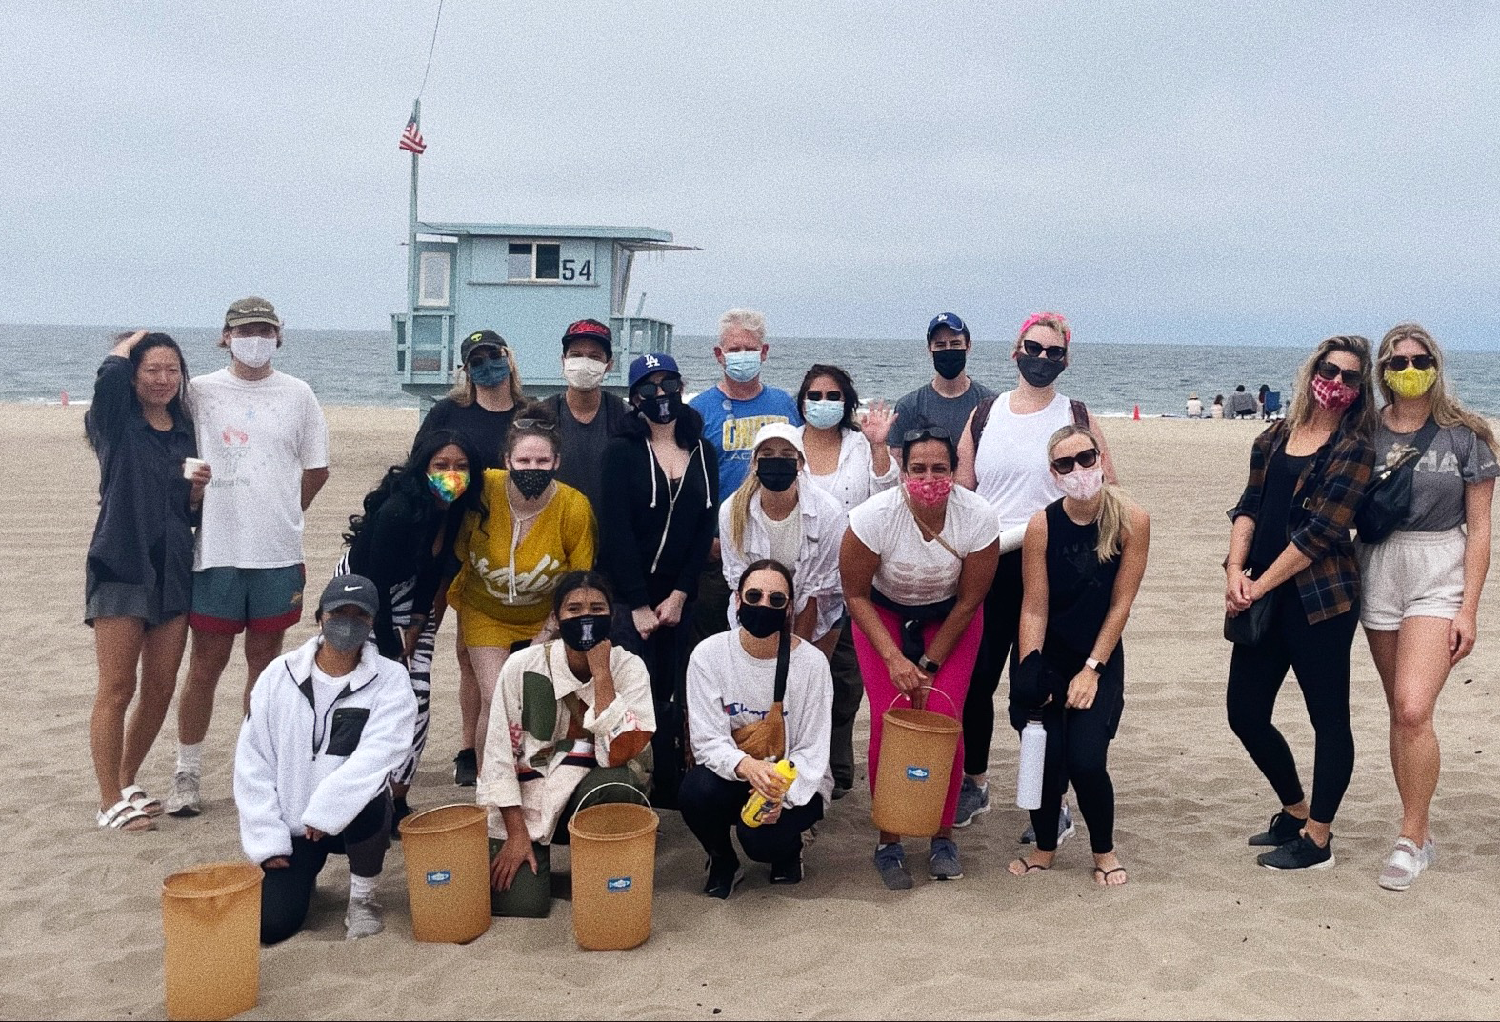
x: 258, y: 436
x: 913, y: 571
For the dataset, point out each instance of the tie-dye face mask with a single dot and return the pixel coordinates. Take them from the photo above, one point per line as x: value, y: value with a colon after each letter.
x: 448, y: 486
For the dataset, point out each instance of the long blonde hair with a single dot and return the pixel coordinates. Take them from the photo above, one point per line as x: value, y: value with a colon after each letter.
x: 739, y: 503
x: 1446, y: 410
x: 462, y: 392
x: 1114, y: 506
x: 1362, y: 417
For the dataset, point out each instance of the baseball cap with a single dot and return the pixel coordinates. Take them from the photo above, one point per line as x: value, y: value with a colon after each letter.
x: 779, y: 431
x: 251, y: 310
x: 478, y: 339
x: 652, y: 362
x: 350, y: 591
x: 593, y: 330
x: 951, y: 321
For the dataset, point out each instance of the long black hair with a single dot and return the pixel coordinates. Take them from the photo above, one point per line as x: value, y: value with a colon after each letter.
x: 410, y: 480
x: 178, y: 407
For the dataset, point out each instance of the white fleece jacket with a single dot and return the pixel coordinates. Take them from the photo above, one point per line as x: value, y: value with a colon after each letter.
x: 286, y: 777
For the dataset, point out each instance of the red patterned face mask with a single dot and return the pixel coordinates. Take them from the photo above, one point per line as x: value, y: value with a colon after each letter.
x: 1332, y: 394
x: 929, y: 492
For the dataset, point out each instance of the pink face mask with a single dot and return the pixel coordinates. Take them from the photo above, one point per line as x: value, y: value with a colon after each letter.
x: 929, y: 492
x: 1332, y: 394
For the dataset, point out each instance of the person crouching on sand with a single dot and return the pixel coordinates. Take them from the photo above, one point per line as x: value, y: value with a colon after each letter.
x: 354, y: 709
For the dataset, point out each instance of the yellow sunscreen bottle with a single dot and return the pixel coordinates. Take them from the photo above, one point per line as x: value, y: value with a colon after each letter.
x: 759, y: 807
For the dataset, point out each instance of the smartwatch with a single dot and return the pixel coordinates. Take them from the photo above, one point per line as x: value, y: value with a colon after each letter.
x: 1094, y: 665
x: 928, y: 664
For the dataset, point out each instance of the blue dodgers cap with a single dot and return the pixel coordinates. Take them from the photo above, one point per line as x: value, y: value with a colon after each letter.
x: 652, y: 362
x: 951, y: 321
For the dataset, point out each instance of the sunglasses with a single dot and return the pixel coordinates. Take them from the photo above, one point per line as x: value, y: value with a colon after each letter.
x: 667, y: 386
x: 542, y: 424
x: 1396, y: 363
x: 1083, y: 459
x: 1056, y: 352
x: 777, y: 601
x: 912, y: 436
x: 479, y: 358
x: 1353, y: 378
x: 825, y: 395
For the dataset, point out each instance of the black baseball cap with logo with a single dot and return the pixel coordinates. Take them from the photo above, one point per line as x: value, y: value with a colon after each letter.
x: 590, y: 330
x: 479, y: 339
x: 350, y: 591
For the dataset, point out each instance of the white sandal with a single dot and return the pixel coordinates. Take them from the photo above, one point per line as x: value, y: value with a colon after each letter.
x: 1407, y: 861
x: 137, y: 797
x: 122, y: 815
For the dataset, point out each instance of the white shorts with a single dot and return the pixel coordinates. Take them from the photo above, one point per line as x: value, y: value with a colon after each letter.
x: 1411, y: 574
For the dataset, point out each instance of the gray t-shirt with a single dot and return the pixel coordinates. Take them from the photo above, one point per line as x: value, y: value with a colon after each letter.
x: 1455, y: 457
x: 948, y: 412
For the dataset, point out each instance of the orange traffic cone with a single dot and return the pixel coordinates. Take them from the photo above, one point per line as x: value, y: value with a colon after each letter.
x: 1136, y: 415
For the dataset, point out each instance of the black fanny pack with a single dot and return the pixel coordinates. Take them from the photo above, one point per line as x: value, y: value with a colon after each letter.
x: 912, y: 619
x: 1387, y: 499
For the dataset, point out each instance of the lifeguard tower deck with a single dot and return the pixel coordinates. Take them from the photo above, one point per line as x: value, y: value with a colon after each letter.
x: 527, y: 282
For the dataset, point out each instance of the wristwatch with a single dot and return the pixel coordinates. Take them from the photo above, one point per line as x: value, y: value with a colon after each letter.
x: 928, y: 664
x: 1094, y: 665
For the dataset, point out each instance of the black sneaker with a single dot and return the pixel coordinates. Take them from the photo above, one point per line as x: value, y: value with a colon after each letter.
x: 1302, y: 853
x: 724, y: 875
x: 787, y: 871
x: 840, y: 789
x: 465, y: 768
x: 1284, y: 827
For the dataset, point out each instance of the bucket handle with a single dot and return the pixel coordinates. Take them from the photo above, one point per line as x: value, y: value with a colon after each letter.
x: 929, y: 688
x: 612, y: 784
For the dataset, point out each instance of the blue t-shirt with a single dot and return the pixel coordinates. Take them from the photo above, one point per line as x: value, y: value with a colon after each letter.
x: 731, y: 427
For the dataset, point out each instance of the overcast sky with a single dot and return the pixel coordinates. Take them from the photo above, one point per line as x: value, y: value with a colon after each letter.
x: 1180, y: 172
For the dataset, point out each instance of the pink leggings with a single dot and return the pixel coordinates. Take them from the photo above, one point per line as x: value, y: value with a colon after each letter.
x: 952, y: 680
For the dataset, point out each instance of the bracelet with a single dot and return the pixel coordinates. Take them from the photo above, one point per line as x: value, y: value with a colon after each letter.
x: 928, y: 664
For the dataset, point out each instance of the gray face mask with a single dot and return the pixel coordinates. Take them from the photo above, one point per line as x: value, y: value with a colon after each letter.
x: 345, y: 634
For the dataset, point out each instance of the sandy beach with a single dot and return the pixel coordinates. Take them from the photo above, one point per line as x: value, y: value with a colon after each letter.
x: 1199, y: 932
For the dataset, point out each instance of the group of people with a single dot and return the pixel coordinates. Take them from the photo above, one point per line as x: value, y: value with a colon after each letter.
x: 1264, y: 404
x: 690, y: 600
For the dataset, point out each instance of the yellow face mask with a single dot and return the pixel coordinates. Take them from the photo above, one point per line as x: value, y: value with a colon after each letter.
x: 1410, y: 382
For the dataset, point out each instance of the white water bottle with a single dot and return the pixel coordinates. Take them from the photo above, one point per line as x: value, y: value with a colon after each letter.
x: 1029, y: 769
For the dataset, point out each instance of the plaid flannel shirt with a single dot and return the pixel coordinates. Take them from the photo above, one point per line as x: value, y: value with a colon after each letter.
x: 1320, y: 524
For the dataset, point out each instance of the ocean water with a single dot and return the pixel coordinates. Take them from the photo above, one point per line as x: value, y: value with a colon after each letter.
x: 356, y: 367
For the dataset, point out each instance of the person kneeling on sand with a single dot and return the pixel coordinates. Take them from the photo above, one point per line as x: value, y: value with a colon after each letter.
x: 566, y: 720
x: 354, y: 709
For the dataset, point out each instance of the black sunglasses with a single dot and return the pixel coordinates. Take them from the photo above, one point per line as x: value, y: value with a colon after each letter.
x: 1353, y: 378
x: 912, y: 436
x: 1396, y: 363
x: 1083, y: 459
x: 542, y: 424
x: 754, y: 596
x: 1056, y: 352
x: 479, y: 358
x: 825, y: 395
x: 668, y: 386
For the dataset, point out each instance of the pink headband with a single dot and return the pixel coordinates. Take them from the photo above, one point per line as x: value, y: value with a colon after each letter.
x: 1038, y: 317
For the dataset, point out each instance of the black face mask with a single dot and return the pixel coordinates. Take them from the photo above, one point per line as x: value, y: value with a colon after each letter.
x: 776, y: 474
x: 1039, y: 371
x: 950, y: 362
x: 585, y: 632
x: 760, y: 620
x: 531, y: 481
x: 662, y: 409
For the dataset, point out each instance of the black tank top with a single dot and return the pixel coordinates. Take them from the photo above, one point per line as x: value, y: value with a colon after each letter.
x: 1079, y: 587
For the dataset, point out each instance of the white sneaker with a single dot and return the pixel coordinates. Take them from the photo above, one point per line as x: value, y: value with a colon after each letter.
x: 185, y: 799
x: 1406, y: 863
x: 363, y: 918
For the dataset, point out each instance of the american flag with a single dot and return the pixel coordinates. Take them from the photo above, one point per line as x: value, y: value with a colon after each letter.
x: 411, y: 138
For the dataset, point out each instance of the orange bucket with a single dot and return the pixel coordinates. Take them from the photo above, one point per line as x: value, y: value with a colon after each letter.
x: 447, y: 856
x: 917, y: 749
x: 211, y: 917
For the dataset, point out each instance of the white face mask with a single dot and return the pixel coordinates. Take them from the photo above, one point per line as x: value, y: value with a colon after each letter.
x: 254, y: 352
x: 1082, y: 483
x: 584, y: 373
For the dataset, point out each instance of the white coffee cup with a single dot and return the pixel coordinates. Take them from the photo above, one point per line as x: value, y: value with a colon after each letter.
x: 190, y: 467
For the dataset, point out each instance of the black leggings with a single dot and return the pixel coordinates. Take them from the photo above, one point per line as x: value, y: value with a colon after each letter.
x: 286, y: 893
x: 665, y: 653
x: 1319, y: 656
x: 711, y: 806
x: 1002, y: 622
x: 1078, y: 751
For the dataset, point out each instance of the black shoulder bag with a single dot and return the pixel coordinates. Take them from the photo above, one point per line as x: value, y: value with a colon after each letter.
x: 1387, y: 499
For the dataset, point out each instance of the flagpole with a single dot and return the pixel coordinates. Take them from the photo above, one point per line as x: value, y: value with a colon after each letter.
x: 411, y: 249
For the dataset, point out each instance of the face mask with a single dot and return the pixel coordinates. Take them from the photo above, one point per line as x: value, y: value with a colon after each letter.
x: 662, y: 409
x: 776, y: 474
x: 1332, y: 394
x: 254, y: 352
x: 1410, y: 382
x: 584, y: 633
x: 531, y: 481
x: 762, y: 620
x: 1082, y: 483
x: 448, y: 486
x: 490, y: 374
x: 950, y: 363
x: 1039, y: 371
x: 345, y: 634
x: 929, y: 492
x: 583, y: 373
x: 823, y: 414
x: 742, y: 366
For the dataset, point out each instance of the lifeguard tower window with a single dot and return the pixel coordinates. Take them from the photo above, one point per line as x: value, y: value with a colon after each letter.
x: 535, y: 261
x: 432, y: 286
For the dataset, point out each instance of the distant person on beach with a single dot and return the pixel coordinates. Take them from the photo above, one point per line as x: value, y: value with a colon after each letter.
x: 1422, y: 584
x: 1084, y: 559
x: 663, y: 482
x: 568, y: 717
x: 263, y: 434
x: 486, y: 390
x: 850, y: 461
x: 733, y: 411
x: 1260, y: 402
x: 355, y: 710
x: 1242, y: 404
x: 948, y: 399
x: 1291, y: 560
x: 587, y: 415
x: 757, y: 694
x: 1002, y: 455
x: 529, y: 532
x: 917, y: 561
x: 1194, y: 407
x: 1217, y: 410
x: 403, y: 542
x: 138, y: 580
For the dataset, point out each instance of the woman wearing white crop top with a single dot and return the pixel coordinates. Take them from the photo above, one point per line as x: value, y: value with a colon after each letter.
x: 1002, y: 456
